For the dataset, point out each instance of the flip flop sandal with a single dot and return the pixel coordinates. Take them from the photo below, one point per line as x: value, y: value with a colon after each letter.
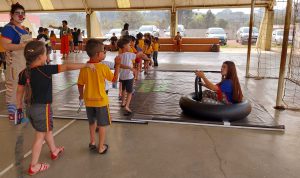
x: 55, y: 157
x: 122, y: 106
x: 43, y: 167
x: 92, y: 147
x: 104, y: 151
x: 128, y: 113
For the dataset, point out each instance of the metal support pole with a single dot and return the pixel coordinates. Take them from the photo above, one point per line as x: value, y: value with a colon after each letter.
x: 250, y: 39
x: 88, y: 25
x: 283, y: 55
x: 173, y: 27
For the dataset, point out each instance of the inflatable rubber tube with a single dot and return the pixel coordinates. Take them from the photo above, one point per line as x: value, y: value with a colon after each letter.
x: 214, y: 112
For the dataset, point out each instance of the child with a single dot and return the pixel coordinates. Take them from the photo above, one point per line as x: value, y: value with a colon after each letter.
x: 155, y: 51
x: 53, y: 41
x: 113, y: 42
x: 227, y: 91
x: 80, y: 40
x: 36, y: 82
x: 91, y: 87
x: 177, y: 42
x: 44, y: 37
x: 71, y: 44
x: 139, y: 42
x: 126, y: 75
x: 147, y: 51
x: 75, y: 40
x: 137, y: 61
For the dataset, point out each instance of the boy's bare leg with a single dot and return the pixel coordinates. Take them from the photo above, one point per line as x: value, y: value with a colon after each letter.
x: 129, y: 96
x: 147, y: 66
x: 120, y: 89
x: 140, y: 66
x: 92, y: 133
x: 101, y: 138
x: 136, y: 73
x: 123, y: 98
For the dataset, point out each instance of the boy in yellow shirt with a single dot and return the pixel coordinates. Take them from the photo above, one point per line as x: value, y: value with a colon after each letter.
x: 140, y: 42
x: 155, y: 51
x: 91, y: 87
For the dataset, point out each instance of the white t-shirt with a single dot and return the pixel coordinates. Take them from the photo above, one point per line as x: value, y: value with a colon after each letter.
x: 111, y: 66
x: 126, y: 59
x: 124, y: 33
x: 80, y: 37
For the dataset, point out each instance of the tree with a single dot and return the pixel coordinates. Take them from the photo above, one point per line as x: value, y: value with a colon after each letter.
x: 222, y: 23
x: 134, y: 19
x: 185, y: 17
x: 77, y: 20
x: 209, y: 19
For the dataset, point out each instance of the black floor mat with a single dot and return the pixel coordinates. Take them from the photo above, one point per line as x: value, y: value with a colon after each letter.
x: 157, y: 98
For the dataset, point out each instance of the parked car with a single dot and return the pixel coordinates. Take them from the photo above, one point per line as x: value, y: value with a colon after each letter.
x: 152, y: 29
x: 109, y: 34
x: 277, y: 36
x: 242, y: 35
x: 180, y: 28
x: 216, y: 32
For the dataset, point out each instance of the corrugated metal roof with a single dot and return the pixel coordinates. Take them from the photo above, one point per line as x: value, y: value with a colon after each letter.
x: 80, y: 5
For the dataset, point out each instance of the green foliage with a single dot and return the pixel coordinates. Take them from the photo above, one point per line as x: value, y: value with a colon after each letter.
x: 133, y: 18
x: 209, y: 19
x: 222, y: 23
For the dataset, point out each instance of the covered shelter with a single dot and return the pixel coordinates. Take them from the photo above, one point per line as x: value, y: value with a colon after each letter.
x: 152, y: 150
x: 93, y: 25
x: 90, y: 6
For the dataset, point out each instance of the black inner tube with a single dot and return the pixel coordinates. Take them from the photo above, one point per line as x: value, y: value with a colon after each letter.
x: 198, y: 89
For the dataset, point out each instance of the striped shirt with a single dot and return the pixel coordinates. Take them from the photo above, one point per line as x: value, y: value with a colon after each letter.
x: 111, y: 66
x: 127, y: 60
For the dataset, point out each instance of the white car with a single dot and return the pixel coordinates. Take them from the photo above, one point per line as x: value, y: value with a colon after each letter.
x: 180, y: 28
x: 152, y: 29
x: 217, y: 33
x: 109, y: 34
x: 277, y: 36
x: 242, y: 35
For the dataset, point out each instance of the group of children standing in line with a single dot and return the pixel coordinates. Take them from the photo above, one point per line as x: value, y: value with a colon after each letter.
x: 35, y: 89
x: 140, y: 52
x: 75, y: 39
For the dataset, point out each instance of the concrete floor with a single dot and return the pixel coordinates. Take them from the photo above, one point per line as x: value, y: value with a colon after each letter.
x: 171, y: 150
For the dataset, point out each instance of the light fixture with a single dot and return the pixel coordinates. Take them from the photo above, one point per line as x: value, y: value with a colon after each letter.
x: 123, y: 3
x: 47, y: 4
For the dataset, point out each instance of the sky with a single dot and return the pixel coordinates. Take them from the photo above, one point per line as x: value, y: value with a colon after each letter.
x: 279, y: 5
x: 215, y: 11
